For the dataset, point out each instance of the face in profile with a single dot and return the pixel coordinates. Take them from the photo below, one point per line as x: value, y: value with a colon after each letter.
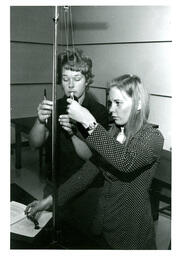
x: 120, y: 105
x: 73, y: 81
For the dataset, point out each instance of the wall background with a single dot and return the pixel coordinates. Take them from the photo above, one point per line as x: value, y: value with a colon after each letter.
x: 119, y: 39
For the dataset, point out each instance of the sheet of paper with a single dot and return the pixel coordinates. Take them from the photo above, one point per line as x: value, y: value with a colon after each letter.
x: 25, y: 226
x: 17, y: 211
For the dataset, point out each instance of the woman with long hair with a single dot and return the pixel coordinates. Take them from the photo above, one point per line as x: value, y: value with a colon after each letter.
x: 127, y: 155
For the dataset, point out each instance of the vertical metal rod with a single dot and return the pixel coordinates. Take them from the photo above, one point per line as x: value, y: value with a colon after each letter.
x: 54, y: 125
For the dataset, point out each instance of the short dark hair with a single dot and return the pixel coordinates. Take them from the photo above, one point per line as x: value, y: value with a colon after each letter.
x: 75, y: 60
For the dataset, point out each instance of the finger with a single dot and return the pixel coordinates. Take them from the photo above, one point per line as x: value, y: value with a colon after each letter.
x: 44, y: 117
x: 66, y: 128
x: 45, y: 112
x: 69, y: 130
x: 46, y: 107
x: 68, y: 110
x: 47, y: 102
x: 69, y: 100
x: 33, y: 212
x: 65, y: 119
x: 67, y: 125
x: 27, y: 209
x: 65, y: 122
x: 63, y: 116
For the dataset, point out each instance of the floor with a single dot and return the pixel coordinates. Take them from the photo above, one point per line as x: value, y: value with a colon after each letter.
x: 30, y: 179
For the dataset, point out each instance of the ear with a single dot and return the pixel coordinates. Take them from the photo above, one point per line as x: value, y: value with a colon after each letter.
x: 86, y: 85
x: 139, y: 105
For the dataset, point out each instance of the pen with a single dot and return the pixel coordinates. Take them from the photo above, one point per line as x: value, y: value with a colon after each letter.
x: 36, y: 223
x: 45, y: 97
x: 45, y: 94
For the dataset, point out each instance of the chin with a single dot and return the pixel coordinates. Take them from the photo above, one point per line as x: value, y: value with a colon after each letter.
x: 117, y: 122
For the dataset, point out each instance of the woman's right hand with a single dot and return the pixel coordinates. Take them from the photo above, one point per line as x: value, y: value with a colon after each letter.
x: 38, y: 205
x: 44, y: 110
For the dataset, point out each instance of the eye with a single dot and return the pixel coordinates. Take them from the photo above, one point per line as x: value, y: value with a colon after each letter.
x: 65, y: 78
x: 77, y: 78
x: 118, y: 102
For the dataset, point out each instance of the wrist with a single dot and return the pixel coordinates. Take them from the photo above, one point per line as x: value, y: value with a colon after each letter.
x: 40, y: 121
x: 90, y: 126
x: 49, y: 201
x: 73, y: 131
x: 89, y: 123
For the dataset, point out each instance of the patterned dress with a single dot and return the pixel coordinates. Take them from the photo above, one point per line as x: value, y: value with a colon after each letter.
x: 124, y: 212
x: 123, y: 216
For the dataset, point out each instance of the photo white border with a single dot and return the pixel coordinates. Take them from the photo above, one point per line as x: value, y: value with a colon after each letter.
x: 5, y: 131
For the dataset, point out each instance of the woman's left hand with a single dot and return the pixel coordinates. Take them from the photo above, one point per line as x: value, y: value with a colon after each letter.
x: 66, y: 124
x: 79, y: 113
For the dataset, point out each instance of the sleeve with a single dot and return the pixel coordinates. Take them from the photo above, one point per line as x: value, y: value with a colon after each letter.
x: 142, y: 152
x: 77, y: 182
x: 101, y: 116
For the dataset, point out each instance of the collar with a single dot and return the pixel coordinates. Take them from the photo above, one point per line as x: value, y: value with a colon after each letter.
x: 86, y: 101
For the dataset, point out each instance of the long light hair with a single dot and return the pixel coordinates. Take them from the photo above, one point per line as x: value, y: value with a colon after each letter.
x: 133, y: 87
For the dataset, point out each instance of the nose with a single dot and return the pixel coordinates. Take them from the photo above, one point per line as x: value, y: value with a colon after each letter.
x: 111, y: 108
x: 71, y: 83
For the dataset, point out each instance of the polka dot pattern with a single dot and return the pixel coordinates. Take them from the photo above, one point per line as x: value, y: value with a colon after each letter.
x: 124, y: 212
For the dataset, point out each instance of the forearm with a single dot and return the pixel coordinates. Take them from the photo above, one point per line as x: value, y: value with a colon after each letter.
x: 48, y: 201
x: 81, y: 148
x: 77, y: 183
x: 38, y: 134
x: 142, y: 152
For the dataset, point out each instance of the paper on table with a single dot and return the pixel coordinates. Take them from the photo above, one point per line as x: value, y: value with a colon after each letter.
x: 17, y: 212
x: 23, y: 226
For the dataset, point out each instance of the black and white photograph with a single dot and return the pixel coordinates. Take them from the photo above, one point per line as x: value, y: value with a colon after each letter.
x: 90, y: 127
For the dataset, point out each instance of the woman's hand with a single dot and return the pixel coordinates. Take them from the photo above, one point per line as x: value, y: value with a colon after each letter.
x: 44, y: 110
x: 67, y: 124
x: 79, y: 113
x: 37, y: 206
